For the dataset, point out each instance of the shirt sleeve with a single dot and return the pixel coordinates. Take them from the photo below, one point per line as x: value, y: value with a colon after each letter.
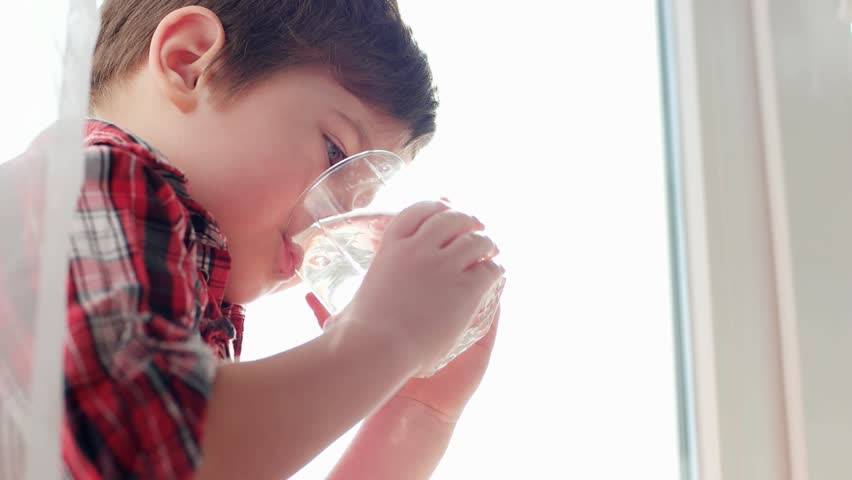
x: 137, y: 373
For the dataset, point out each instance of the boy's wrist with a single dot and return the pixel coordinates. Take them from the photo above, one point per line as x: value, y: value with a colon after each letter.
x: 430, y: 425
x: 409, y: 407
x: 392, y: 345
x: 403, y: 439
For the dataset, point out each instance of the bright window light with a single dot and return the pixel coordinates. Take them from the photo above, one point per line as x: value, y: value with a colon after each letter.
x: 550, y: 131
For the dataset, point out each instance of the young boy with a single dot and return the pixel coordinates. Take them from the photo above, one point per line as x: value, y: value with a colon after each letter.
x: 235, y: 107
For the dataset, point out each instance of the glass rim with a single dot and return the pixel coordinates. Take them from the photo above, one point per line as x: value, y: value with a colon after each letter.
x: 331, y: 171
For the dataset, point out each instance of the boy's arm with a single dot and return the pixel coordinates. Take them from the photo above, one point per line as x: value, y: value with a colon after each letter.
x: 141, y: 385
x: 268, y: 418
x: 405, y: 439
x: 137, y: 374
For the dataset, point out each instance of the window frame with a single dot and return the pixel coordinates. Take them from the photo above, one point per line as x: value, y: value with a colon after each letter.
x: 750, y: 234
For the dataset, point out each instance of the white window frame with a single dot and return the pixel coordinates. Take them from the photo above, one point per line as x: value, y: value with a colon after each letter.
x: 759, y: 113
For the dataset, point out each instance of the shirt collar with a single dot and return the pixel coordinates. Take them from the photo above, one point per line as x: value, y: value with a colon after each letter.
x: 205, y: 226
x: 222, y: 324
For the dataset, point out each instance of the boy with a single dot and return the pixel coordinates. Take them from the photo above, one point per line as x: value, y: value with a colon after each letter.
x: 234, y: 108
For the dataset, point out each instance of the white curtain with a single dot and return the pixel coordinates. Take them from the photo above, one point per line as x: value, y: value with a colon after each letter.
x: 46, y: 48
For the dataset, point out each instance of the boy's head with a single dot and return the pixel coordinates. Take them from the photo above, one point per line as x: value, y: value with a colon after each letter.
x: 254, y: 99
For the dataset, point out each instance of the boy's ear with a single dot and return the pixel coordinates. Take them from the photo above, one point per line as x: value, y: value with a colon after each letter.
x: 184, y: 44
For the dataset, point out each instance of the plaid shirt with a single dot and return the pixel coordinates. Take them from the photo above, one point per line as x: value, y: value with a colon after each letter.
x: 146, y: 318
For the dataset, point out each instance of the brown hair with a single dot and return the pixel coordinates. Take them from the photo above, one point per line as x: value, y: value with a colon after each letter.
x: 365, y: 43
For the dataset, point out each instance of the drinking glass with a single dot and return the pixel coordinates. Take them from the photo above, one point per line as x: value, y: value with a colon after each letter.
x: 338, y: 222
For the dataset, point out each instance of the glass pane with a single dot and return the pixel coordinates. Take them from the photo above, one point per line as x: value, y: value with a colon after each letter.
x: 550, y: 131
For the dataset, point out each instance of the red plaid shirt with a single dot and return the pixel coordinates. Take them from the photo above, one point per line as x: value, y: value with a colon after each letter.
x: 146, y: 318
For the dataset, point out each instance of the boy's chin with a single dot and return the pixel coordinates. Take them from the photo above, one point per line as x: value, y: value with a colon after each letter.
x: 249, y: 293
x: 285, y: 284
x: 245, y: 292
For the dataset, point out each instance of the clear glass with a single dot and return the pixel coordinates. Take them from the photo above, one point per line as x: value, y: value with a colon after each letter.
x: 339, y: 222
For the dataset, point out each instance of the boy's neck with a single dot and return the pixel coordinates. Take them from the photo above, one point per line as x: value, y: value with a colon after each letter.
x: 137, y: 107
x: 122, y: 106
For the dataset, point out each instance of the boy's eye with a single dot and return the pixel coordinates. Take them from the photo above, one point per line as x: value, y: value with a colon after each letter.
x: 335, y: 153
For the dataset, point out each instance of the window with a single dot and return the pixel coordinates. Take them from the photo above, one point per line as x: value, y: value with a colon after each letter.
x: 550, y: 131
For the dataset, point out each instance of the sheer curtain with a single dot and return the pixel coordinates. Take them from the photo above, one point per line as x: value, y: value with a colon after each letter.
x: 45, y: 48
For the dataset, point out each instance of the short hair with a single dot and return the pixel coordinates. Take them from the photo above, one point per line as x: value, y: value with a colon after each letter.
x: 365, y: 43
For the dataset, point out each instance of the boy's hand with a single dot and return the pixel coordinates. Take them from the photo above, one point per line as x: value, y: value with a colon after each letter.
x: 426, y: 281
x: 447, y: 392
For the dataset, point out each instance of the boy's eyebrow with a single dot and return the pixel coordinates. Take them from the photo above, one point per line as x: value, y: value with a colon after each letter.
x: 363, y: 139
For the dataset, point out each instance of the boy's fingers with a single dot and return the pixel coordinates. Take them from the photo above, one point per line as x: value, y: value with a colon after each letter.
x: 319, y: 311
x: 472, y: 248
x: 486, y: 273
x: 409, y: 221
x: 444, y: 227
